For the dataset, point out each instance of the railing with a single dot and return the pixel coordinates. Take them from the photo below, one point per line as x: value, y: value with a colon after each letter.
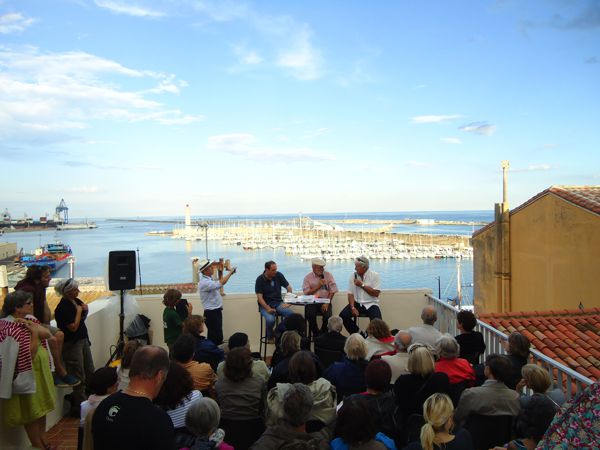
x: 564, y: 377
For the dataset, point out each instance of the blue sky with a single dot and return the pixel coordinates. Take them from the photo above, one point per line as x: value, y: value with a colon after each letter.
x: 139, y: 107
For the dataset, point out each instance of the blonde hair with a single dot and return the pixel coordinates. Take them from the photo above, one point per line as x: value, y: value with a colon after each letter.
x: 420, y: 360
x: 437, y: 411
x: 355, y: 347
x: 537, y: 378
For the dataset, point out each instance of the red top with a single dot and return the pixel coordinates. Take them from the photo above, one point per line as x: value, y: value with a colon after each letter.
x: 457, y: 369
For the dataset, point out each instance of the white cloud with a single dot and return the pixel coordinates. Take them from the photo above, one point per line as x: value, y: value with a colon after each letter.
x: 247, y: 57
x: 482, y: 128
x: 244, y: 144
x: 42, y: 94
x: 451, y: 140
x: 128, y: 9
x: 435, y: 118
x: 14, y: 23
x: 300, y: 57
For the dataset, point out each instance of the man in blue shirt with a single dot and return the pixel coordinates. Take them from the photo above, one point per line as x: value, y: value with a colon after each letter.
x: 268, y: 292
x: 212, y: 301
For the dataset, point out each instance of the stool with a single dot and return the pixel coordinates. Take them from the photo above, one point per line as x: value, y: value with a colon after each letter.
x: 264, y: 341
x: 355, y: 318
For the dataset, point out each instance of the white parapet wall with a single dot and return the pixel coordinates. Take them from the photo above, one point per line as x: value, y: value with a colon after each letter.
x: 400, y: 309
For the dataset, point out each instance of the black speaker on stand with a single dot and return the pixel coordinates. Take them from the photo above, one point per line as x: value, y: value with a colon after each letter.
x: 121, y: 277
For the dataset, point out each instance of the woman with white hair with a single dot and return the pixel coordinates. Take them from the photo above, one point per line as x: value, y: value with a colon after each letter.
x: 70, y: 315
x: 202, y: 421
x: 348, y: 375
x: 459, y: 370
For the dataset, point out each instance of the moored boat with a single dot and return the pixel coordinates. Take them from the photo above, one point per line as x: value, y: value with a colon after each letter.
x: 53, y: 256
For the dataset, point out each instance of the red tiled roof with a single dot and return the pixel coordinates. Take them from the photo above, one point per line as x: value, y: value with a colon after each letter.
x: 571, y: 337
x: 587, y: 197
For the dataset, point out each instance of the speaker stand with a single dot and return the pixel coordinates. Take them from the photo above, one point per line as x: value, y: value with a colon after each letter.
x: 118, y: 351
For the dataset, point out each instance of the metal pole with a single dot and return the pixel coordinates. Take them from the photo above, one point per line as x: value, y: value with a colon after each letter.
x: 206, y: 238
x: 139, y: 270
x: 439, y: 287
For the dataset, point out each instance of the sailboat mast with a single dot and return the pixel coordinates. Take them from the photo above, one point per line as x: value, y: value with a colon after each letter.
x: 458, y: 283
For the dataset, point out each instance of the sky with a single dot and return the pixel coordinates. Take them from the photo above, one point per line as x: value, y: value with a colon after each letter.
x: 136, y: 108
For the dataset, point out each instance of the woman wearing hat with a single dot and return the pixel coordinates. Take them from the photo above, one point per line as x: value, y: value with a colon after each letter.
x: 70, y: 315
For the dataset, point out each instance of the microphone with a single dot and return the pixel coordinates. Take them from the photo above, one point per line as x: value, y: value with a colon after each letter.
x: 322, y: 277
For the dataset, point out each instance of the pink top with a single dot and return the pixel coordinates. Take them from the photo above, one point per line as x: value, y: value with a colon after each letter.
x: 311, y: 281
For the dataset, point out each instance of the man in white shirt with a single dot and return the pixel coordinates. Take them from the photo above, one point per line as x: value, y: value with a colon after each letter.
x: 363, y: 295
x: 426, y: 333
x: 212, y: 301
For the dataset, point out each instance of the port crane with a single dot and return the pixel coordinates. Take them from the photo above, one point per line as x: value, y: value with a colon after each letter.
x: 62, y: 208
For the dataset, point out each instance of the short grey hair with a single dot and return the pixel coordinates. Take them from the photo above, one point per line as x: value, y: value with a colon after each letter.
x: 429, y: 315
x: 335, y: 324
x: 402, y: 340
x: 355, y: 347
x: 202, y: 417
x: 66, y: 285
x: 447, y: 347
x: 363, y: 261
x: 290, y: 342
x: 297, y: 404
x: 13, y: 301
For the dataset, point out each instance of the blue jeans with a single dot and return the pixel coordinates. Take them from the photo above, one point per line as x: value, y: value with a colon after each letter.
x: 270, y: 318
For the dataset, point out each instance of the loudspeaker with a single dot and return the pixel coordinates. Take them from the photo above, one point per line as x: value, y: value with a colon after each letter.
x: 121, y: 270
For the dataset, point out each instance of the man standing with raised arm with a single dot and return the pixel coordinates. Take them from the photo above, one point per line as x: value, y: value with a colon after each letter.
x: 268, y: 292
x: 212, y: 302
x: 363, y: 294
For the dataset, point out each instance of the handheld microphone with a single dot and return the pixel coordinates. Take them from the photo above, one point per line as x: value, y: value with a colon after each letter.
x: 322, y: 277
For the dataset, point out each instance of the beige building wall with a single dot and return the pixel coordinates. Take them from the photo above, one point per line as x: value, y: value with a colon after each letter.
x: 7, y: 250
x: 555, y: 248
x: 555, y: 258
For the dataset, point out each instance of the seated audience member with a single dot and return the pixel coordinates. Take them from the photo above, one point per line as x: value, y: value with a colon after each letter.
x: 240, y: 394
x: 517, y: 350
x: 381, y: 400
x: 205, y: 350
x: 421, y: 381
x: 123, y: 371
x: 426, y: 333
x: 532, y: 422
x: 172, y: 323
x: 332, y: 340
x: 348, y: 375
x: 438, y: 432
x: 202, y: 421
x: 379, y: 340
x: 183, y: 353
x: 493, y: 398
x: 356, y: 428
x: 398, y: 361
x: 102, y: 383
x: 302, y: 369
x: 577, y: 424
x: 458, y: 369
x: 295, y: 322
x: 290, y: 432
x: 290, y: 344
x: 538, y: 380
x: 128, y: 419
x: 471, y: 342
x: 26, y: 387
x: 259, y: 368
x: 176, y: 395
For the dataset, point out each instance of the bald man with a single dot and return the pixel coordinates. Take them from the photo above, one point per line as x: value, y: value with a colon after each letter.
x: 399, y: 361
x: 426, y: 333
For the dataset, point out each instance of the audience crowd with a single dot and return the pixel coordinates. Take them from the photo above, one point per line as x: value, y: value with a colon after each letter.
x: 379, y: 389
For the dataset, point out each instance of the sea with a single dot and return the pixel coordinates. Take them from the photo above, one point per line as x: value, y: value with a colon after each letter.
x: 164, y: 260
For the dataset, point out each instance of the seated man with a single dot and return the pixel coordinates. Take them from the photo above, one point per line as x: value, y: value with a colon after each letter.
x: 268, y: 293
x: 333, y: 340
x: 399, y: 361
x: 493, y: 398
x: 128, y: 419
x: 363, y: 295
x: 321, y: 284
x: 259, y: 368
x: 426, y: 333
x: 290, y: 432
x: 183, y: 353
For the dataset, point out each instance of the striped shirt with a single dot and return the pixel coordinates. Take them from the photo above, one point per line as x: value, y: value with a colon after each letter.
x: 177, y: 415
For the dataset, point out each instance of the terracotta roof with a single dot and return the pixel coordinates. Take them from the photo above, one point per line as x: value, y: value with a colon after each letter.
x: 587, y: 197
x: 569, y: 336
